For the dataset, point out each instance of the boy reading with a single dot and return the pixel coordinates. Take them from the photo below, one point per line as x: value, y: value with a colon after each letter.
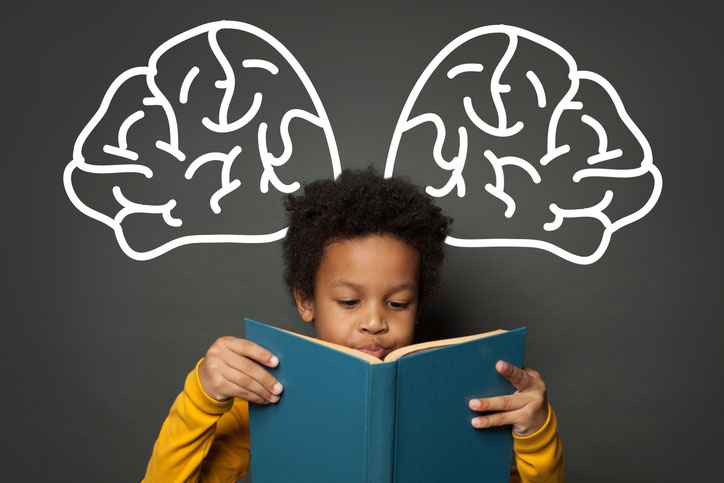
x: 362, y: 255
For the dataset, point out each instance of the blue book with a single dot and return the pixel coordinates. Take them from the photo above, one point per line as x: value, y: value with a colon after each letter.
x: 346, y: 416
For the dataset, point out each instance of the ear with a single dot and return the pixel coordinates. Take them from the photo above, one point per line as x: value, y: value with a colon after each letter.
x: 305, y: 305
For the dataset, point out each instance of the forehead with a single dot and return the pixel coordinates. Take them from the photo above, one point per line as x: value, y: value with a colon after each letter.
x: 374, y: 259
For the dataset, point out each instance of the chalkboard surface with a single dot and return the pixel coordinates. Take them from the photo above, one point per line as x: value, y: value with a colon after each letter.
x: 105, y: 314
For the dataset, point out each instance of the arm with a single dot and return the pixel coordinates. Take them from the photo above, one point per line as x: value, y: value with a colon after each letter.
x: 206, y: 434
x: 228, y: 457
x: 538, y: 452
x: 187, y: 434
x: 539, y: 456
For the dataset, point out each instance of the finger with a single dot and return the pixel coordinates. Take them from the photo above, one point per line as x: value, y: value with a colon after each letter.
x: 244, y: 367
x: 250, y: 396
x: 242, y: 383
x: 221, y: 384
x: 247, y: 348
x: 499, y: 403
x: 517, y: 376
x: 495, y: 419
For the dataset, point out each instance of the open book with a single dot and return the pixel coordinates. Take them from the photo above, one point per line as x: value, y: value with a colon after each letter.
x: 346, y: 416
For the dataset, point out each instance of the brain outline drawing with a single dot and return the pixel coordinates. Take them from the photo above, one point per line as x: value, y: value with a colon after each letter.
x: 456, y: 164
x: 171, y: 146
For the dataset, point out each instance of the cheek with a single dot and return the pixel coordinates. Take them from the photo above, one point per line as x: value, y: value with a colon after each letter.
x: 410, y: 335
x: 333, y: 324
x: 406, y: 332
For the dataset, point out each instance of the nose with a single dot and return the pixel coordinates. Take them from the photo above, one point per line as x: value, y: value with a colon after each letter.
x: 373, y: 321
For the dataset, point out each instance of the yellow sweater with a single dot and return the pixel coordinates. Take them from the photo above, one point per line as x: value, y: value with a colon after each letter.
x: 207, y: 440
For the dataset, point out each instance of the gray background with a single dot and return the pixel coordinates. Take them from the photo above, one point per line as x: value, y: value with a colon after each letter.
x: 96, y: 346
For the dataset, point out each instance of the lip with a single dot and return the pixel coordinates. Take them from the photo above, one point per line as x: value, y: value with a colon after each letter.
x: 374, y: 350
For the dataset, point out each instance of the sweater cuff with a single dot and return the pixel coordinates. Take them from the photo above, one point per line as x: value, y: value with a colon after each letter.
x: 540, y: 439
x: 198, y: 396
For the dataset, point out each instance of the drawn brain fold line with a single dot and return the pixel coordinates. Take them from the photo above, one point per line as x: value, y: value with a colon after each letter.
x: 506, y: 128
x: 171, y: 142
x: 497, y: 123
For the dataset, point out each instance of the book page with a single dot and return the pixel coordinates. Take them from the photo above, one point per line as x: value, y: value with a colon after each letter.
x: 347, y: 350
x: 401, y: 352
x: 434, y: 344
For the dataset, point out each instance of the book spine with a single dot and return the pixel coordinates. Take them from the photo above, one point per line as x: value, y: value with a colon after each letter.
x: 380, y: 424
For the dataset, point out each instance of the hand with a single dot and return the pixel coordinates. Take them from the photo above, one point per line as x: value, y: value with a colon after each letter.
x: 526, y: 409
x: 231, y: 368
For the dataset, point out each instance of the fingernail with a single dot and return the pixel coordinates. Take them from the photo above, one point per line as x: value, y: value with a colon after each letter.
x: 477, y: 423
x: 274, y: 398
x: 277, y: 389
x: 503, y: 366
x: 274, y: 360
x: 474, y: 403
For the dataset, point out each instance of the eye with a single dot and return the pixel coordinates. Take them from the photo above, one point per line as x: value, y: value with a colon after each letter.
x: 348, y: 303
x: 398, y: 305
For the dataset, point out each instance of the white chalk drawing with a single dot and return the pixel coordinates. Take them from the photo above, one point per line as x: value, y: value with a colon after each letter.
x: 222, y: 123
x: 503, y: 127
x: 498, y: 189
x: 509, y: 128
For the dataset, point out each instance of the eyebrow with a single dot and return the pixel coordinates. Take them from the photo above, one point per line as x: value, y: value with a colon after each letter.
x: 396, y: 288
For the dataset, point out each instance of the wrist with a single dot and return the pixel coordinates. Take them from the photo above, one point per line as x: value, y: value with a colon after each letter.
x: 539, y: 419
x: 543, y: 433
x: 204, y: 381
x: 200, y: 397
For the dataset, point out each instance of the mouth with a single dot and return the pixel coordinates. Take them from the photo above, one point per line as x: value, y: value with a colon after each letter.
x: 374, y: 350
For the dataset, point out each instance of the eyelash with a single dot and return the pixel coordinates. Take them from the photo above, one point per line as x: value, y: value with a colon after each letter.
x: 399, y: 305
x: 350, y: 303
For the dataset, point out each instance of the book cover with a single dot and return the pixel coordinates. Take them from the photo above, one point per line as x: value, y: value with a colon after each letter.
x: 350, y: 418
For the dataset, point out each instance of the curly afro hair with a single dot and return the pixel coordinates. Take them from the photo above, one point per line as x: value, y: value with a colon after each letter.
x: 360, y: 203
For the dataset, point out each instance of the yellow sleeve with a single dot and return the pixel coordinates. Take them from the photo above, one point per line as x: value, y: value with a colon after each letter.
x: 202, y: 439
x: 539, y: 456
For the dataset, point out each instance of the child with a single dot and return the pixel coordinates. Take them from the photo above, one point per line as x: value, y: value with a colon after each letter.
x: 362, y: 255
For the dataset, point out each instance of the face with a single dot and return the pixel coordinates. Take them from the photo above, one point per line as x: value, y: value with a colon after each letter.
x: 365, y: 294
